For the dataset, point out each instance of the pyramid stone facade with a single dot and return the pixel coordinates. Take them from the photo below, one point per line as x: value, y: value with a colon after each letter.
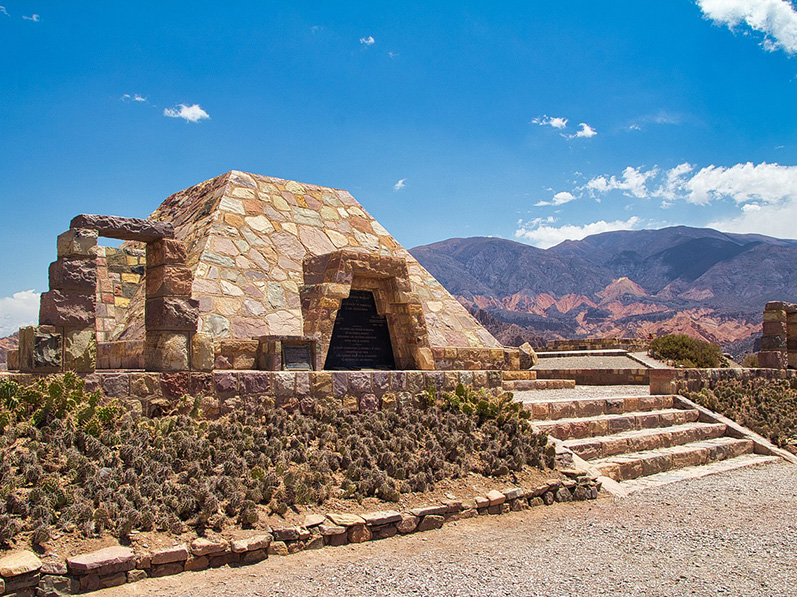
x: 228, y: 273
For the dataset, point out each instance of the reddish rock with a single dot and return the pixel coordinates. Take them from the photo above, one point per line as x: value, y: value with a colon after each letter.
x: 171, y: 314
x: 169, y: 280
x: 71, y: 273
x: 62, y: 308
x: 430, y: 522
x: 124, y: 228
x: 109, y: 560
x: 165, y: 252
x: 408, y: 524
x: 382, y: 517
x: 255, y: 382
x: 178, y: 553
x: 359, y: 533
x: 203, y: 546
x: 19, y: 562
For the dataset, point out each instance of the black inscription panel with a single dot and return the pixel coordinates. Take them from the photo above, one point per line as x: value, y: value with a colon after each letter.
x: 297, y: 357
x: 360, y: 338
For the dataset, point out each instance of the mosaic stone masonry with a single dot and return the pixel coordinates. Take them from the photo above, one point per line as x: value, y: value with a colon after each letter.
x: 779, y: 339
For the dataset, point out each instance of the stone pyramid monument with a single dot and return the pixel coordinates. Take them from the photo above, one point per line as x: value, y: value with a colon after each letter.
x: 268, y: 274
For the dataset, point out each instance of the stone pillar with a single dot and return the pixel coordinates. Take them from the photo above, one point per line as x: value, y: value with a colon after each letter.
x: 66, y: 310
x: 774, y: 344
x: 171, y: 314
x: 791, y: 335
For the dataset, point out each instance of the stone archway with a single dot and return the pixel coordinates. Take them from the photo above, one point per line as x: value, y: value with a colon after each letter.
x: 330, y: 278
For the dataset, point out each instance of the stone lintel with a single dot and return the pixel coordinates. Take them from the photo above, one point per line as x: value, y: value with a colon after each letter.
x: 124, y: 228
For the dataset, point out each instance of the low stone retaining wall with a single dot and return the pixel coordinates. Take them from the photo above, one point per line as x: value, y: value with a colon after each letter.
x: 629, y: 344
x: 681, y: 381
x: 598, y: 377
x: 152, y: 393
x: 23, y: 573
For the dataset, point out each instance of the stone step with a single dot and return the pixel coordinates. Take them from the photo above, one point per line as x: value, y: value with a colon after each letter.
x: 539, y: 384
x: 601, y: 425
x: 590, y: 407
x: 521, y: 375
x: 650, y: 462
x: 638, y: 440
x: 695, y: 472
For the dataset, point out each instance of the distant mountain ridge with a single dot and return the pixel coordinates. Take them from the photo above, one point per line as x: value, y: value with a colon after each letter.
x: 699, y: 281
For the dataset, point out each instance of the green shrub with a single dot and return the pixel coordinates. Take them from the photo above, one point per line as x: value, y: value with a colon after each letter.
x: 686, y: 351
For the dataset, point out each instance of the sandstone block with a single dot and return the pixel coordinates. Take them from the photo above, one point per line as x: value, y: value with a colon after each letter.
x: 169, y: 280
x: 40, y: 349
x: 278, y: 548
x: 177, y: 553
x: 196, y: 563
x: 171, y: 314
x: 769, y: 342
x: 253, y: 557
x: 241, y: 354
x: 437, y: 510
x: 775, y: 328
x: 495, y: 497
x: 774, y: 315
x: 286, y: 534
x: 202, y: 352
x: 72, y: 273
x: 381, y: 517
x: 430, y: 522
x: 109, y: 560
x: 12, y: 360
x: 528, y: 358
x: 62, y: 308
x: 203, y: 546
x: 123, y: 228
x: 226, y: 383
x: 165, y: 252
x: 330, y: 530
x: 771, y: 359
x: 254, y: 543
x: 359, y: 533
x: 136, y: 575
x: 168, y: 569
x: 77, y: 242
x: 80, y: 350
x: 408, y: 524
x: 166, y: 351
x: 346, y: 520
x: 255, y: 382
x: 18, y: 563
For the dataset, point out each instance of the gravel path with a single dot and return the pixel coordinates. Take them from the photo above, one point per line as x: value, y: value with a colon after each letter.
x: 582, y: 392
x: 729, y: 534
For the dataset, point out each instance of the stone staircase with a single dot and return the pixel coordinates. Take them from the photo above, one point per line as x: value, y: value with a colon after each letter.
x: 526, y: 379
x: 647, y: 440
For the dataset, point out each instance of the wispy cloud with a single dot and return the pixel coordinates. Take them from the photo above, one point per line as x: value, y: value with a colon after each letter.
x: 776, y: 19
x: 633, y: 182
x: 316, y: 28
x: 541, y: 232
x: 135, y: 97
x: 192, y: 113
x: 393, y: 54
x: 559, y: 198
x: 4, y: 11
x: 18, y: 310
x: 556, y: 122
x: 585, y: 132
x: 367, y: 41
x: 400, y: 184
x: 34, y: 17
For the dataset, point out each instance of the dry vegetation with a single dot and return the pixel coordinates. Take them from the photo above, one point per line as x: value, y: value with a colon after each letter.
x: 73, y: 462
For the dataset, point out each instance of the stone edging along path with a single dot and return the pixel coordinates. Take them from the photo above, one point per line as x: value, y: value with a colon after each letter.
x: 23, y: 573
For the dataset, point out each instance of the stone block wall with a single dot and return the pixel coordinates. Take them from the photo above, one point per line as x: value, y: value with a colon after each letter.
x: 779, y: 339
x: 681, y: 381
x: 629, y: 344
x: 453, y: 358
x: 119, y: 274
x: 598, y: 377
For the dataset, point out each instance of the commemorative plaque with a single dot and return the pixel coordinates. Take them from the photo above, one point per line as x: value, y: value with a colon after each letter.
x: 297, y: 357
x: 360, y: 337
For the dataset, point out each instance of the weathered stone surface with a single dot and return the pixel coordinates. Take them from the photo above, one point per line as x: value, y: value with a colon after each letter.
x: 166, y: 351
x: 313, y: 520
x: 359, y: 533
x: 109, y: 560
x: 22, y: 584
x: 202, y: 356
x: 196, y: 563
x: 528, y: 358
x: 430, y: 522
x: 513, y: 493
x: 438, y: 510
x: 278, y: 548
x: 62, y: 308
x: 113, y: 580
x: 408, y: 524
x: 331, y: 529
x: 496, y: 497
x: 178, y: 553
x: 346, y: 520
x: 167, y: 569
x: 254, y: 543
x: 226, y: 383
x: 203, y: 546
x: 73, y: 273
x: 123, y: 228
x: 381, y: 517
x: 286, y: 533
x: 255, y: 382
x: 136, y: 575
x: 19, y: 562
x: 171, y: 314
x: 254, y: 556
x: 80, y: 350
x: 77, y: 243
x: 165, y: 252
x: 52, y: 585
x: 169, y: 280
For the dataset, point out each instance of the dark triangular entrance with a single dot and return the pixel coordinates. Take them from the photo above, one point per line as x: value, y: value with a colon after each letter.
x: 360, y: 338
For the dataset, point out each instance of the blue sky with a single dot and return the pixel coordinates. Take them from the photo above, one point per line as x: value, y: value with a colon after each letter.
x: 534, y: 121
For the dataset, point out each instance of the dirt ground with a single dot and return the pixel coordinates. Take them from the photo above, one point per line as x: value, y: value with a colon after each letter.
x: 727, y: 534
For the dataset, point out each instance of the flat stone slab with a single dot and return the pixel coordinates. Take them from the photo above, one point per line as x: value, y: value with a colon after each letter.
x: 178, y: 553
x: 496, y: 497
x: 313, y: 520
x: 251, y: 543
x: 115, y: 559
x: 383, y: 517
x: 124, y: 228
x: 346, y: 520
x: 429, y: 510
x: 202, y: 546
x: 19, y: 562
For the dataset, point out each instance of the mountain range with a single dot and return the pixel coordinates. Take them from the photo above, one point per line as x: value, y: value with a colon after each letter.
x: 633, y: 283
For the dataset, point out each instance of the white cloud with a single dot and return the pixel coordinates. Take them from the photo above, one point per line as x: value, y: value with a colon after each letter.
x: 393, y: 55
x: 768, y: 183
x: 633, y: 183
x: 192, y: 113
x: 556, y: 122
x: 772, y: 220
x: 34, y: 17
x: 559, y: 198
x: 135, y: 97
x: 400, y: 184
x: 776, y: 19
x: 585, y: 132
x: 4, y: 11
x: 18, y: 310
x: 367, y: 41
x: 539, y: 233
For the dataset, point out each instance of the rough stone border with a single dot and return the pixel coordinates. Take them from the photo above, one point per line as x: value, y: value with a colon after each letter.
x: 23, y: 573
